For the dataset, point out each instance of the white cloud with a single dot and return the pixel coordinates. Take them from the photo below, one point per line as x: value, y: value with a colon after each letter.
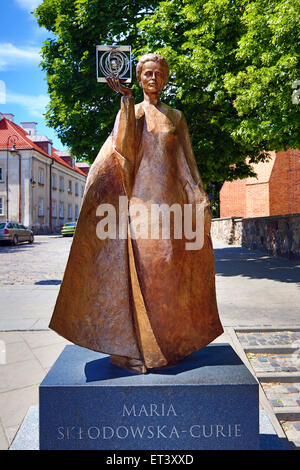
x: 35, y: 105
x: 2, y: 92
x: 10, y: 55
x: 28, y: 5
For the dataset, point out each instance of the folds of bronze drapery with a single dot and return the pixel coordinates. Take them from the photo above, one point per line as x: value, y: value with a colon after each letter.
x: 141, y: 299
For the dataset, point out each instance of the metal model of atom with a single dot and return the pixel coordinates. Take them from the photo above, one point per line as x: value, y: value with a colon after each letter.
x: 113, y: 61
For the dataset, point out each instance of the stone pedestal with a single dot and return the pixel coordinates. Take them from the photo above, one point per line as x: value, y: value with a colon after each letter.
x: 207, y: 401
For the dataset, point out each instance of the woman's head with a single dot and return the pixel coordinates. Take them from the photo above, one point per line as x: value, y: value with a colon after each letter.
x: 152, y: 70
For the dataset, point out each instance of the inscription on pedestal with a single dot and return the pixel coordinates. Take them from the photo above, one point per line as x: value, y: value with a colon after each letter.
x: 163, y: 431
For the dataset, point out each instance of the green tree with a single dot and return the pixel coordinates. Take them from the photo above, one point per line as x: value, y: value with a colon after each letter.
x: 232, y: 62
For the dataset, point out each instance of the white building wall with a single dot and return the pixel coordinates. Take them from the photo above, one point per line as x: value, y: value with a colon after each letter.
x: 13, y: 187
x: 31, y: 163
x: 64, y: 196
x: 25, y: 206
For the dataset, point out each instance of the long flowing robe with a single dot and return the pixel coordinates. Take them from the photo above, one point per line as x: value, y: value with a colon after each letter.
x: 147, y: 298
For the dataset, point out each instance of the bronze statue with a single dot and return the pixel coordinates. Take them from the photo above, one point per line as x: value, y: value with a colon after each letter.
x: 147, y: 302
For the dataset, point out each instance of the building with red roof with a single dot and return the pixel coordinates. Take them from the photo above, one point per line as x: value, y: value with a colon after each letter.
x: 40, y: 186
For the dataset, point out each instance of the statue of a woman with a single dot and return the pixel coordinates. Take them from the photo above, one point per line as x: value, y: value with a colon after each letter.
x: 147, y: 301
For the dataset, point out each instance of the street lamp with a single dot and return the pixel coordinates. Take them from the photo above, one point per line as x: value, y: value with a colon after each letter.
x: 12, y: 138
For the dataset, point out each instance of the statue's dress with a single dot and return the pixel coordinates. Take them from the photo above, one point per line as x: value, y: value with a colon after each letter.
x: 145, y: 298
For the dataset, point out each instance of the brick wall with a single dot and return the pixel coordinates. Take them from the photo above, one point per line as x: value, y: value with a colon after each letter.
x: 275, y: 191
x: 294, y: 181
x: 285, y: 183
x: 233, y: 199
x: 257, y: 200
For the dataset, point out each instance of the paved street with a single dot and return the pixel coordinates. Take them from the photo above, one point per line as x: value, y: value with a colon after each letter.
x: 30, y: 276
x: 39, y: 264
x: 259, y: 303
x: 254, y: 289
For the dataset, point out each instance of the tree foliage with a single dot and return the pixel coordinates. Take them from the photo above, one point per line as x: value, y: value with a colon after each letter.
x: 232, y: 62
x: 81, y: 110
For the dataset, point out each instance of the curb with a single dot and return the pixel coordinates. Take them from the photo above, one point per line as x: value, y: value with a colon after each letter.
x: 271, y: 349
x: 265, y: 329
x: 285, y: 377
x: 288, y: 413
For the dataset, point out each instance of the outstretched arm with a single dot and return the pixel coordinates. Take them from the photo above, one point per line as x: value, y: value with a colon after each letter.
x: 124, y: 129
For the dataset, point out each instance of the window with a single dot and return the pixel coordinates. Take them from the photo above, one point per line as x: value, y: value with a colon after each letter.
x: 54, y: 209
x: 70, y: 187
x: 1, y: 174
x: 76, y: 189
x: 54, y: 181
x: 76, y: 212
x: 41, y: 176
x: 1, y: 205
x: 61, y: 183
x: 82, y: 191
x: 41, y: 207
x: 61, y: 210
x: 69, y: 211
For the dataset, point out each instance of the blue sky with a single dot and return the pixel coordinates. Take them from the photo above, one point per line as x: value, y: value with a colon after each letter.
x: 20, y: 75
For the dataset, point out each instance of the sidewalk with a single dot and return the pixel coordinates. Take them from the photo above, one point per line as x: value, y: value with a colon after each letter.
x: 26, y: 307
x: 29, y: 356
x: 254, y: 291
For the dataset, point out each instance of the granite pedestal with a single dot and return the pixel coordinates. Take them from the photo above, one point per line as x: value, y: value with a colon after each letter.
x: 207, y: 401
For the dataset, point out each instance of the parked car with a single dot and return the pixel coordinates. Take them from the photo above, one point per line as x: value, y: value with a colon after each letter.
x: 15, y: 233
x: 68, y: 229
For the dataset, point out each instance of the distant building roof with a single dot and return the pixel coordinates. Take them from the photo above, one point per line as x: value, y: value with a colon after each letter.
x: 24, y: 141
x: 63, y: 153
x: 83, y: 164
x: 40, y: 138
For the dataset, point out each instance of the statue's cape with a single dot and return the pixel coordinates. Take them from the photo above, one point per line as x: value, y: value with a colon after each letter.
x: 149, y: 299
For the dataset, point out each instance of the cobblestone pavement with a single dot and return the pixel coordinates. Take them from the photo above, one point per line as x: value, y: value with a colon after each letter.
x: 272, y: 362
x: 283, y: 393
x: 292, y: 431
x: 40, y: 263
x: 269, y: 338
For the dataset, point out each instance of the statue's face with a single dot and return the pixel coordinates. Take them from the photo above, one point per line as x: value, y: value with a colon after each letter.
x: 152, y: 77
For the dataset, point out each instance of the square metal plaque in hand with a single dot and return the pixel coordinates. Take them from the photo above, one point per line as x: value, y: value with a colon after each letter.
x: 113, y: 61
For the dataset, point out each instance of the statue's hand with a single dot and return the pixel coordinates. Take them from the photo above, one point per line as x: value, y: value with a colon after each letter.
x: 116, y: 85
